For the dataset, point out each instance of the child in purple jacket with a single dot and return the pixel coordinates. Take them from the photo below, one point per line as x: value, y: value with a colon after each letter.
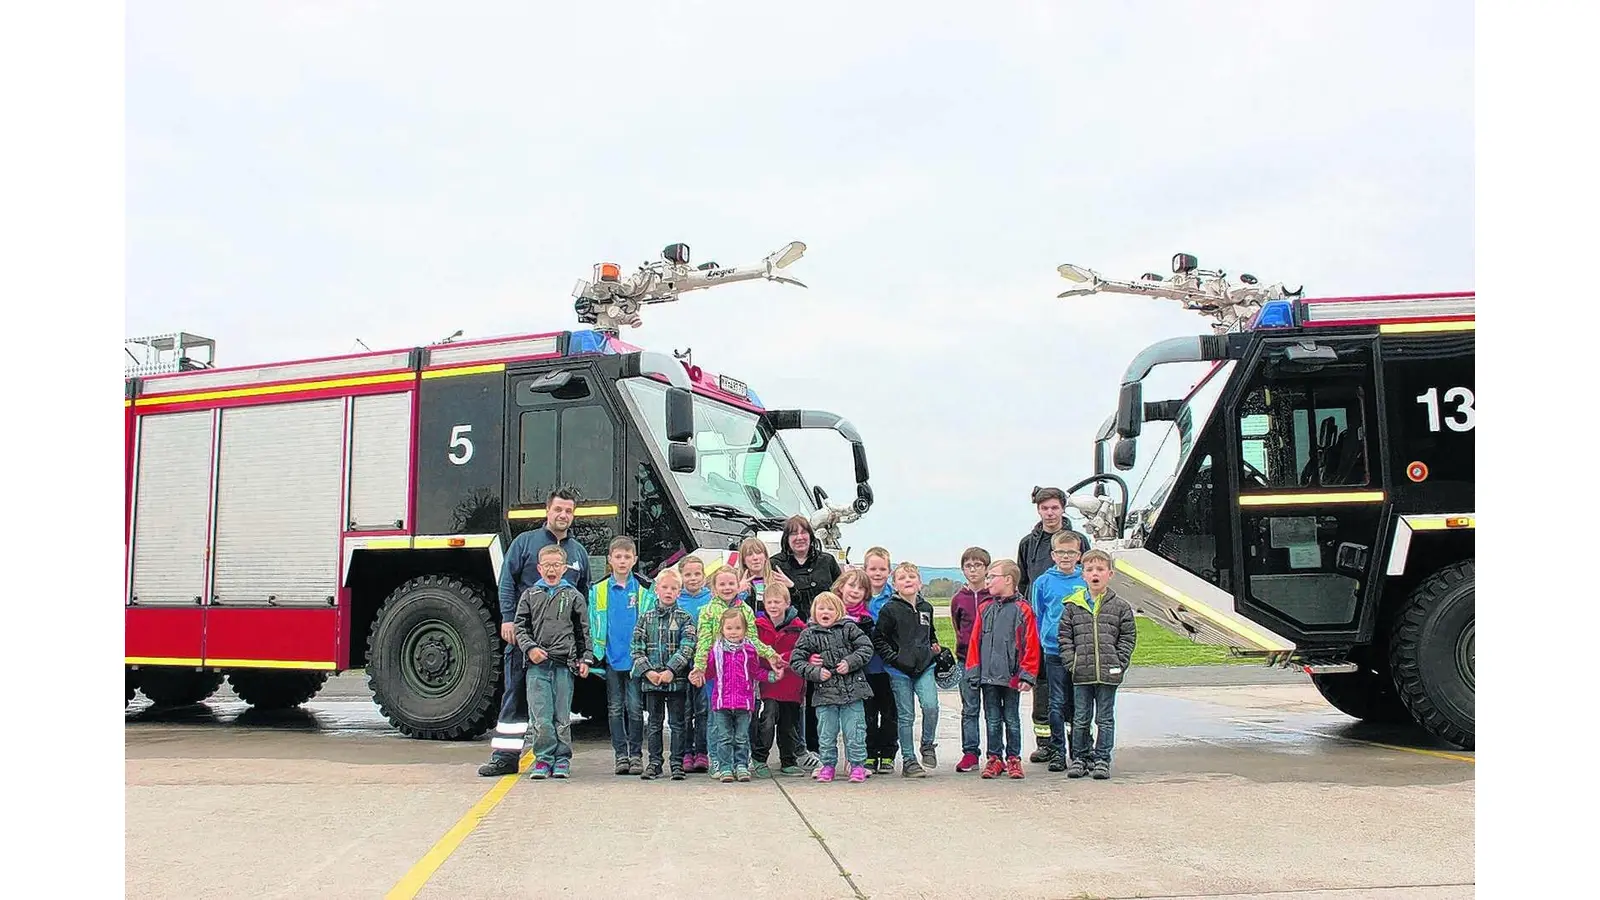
x: 734, y: 669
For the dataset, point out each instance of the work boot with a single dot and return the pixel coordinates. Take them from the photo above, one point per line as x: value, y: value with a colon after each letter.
x: 498, y: 765
x: 969, y: 761
x: 651, y: 773
x: 1077, y: 769
x: 1043, y: 754
x: 913, y: 769
x: 994, y: 768
x: 635, y: 765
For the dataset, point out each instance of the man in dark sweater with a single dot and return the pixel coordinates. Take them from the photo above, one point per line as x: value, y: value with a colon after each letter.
x: 1033, y: 558
x: 518, y: 572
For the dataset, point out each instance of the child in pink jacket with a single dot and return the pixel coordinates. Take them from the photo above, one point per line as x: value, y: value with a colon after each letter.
x: 734, y: 669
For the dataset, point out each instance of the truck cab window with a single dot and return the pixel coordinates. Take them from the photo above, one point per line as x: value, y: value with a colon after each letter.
x: 566, y: 439
x: 1302, y: 435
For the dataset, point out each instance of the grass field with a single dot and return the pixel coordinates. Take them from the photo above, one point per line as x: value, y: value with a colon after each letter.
x: 1156, y: 647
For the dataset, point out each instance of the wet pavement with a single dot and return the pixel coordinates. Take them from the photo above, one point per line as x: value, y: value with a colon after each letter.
x: 1220, y: 789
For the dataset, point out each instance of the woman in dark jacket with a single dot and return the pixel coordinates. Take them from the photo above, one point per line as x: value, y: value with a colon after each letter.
x: 813, y: 570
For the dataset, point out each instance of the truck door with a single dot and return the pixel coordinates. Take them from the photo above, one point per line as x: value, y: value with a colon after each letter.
x: 1308, y: 488
x: 562, y: 431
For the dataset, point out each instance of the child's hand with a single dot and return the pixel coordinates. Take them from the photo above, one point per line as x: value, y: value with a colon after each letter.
x: 537, y: 656
x: 825, y: 674
x: 843, y: 668
x: 653, y: 677
x: 816, y: 659
x: 583, y: 670
x: 698, y: 678
x: 936, y: 648
x: 666, y: 677
x: 746, y: 583
x: 1024, y: 687
x: 778, y: 665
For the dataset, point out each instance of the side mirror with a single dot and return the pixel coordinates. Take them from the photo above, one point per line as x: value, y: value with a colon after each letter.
x: 859, y: 452
x: 1130, y: 410
x: 680, y: 416
x: 680, y: 457
x: 1123, y: 454
x: 550, y: 382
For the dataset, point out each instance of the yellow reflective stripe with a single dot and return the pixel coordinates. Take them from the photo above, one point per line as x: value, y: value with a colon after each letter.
x: 127, y: 403
x: 160, y: 661
x: 581, y: 512
x: 465, y: 370
x: 1420, y: 327
x: 474, y: 541
x: 270, y: 664
x: 1311, y: 499
x: 1440, y: 523
x: 290, y: 388
x: 380, y: 543
x: 1205, y: 612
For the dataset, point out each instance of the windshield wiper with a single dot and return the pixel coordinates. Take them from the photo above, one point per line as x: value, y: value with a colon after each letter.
x: 733, y: 512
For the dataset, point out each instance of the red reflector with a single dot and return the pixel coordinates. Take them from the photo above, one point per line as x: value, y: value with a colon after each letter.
x: 457, y: 542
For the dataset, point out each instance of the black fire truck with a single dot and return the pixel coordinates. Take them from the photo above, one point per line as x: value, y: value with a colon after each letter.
x: 1319, y: 508
x: 291, y: 520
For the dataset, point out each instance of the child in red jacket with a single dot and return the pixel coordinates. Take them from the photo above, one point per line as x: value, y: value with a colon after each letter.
x: 779, y: 626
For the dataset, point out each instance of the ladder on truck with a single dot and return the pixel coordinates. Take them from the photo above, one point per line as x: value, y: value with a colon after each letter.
x: 161, y: 354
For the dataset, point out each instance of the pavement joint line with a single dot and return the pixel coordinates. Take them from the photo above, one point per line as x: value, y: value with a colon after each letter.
x: 1440, y: 754
x: 412, y: 882
x: 843, y: 873
x: 1291, y: 892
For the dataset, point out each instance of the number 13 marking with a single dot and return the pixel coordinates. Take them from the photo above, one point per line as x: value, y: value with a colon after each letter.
x: 1463, y: 399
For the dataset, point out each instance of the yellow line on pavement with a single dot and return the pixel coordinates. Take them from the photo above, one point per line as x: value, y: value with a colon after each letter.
x: 1440, y: 754
x: 412, y: 882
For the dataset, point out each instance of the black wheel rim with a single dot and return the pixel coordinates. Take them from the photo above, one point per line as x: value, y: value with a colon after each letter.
x: 1466, y: 658
x: 431, y: 658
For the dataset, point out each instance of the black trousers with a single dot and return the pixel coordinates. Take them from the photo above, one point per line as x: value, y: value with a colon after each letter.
x: 780, y: 722
x: 659, y: 707
x: 883, y: 726
x: 811, y: 718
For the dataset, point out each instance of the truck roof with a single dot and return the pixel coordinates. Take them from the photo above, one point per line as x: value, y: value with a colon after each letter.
x: 1450, y: 311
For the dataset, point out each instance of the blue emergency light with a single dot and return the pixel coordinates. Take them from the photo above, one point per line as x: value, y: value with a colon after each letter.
x: 1275, y: 314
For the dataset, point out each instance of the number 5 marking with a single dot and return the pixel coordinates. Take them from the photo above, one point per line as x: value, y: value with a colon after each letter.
x: 459, y: 442
x: 1458, y: 395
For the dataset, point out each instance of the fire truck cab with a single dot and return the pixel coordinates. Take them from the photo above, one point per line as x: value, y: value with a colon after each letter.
x: 288, y: 521
x: 1319, y: 506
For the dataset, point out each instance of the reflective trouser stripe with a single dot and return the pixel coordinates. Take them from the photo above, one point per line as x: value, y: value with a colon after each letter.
x: 1041, y: 730
x: 508, y: 736
x: 504, y: 743
x: 511, y: 728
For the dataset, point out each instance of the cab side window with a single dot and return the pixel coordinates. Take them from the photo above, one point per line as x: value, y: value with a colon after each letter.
x: 567, y: 438
x: 1300, y: 434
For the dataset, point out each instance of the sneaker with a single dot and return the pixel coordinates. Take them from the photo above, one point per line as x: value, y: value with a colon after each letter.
x: 761, y: 771
x: 825, y: 774
x: 677, y: 773
x: 886, y: 765
x: 913, y: 769
x: 702, y: 763
x: 540, y: 772
x: 740, y: 774
x: 808, y: 760
x: 1042, y: 754
x: 563, y: 769
x: 622, y: 767
x: 994, y: 768
x: 1014, y: 767
x: 651, y: 772
x: 1077, y: 769
x: 969, y: 761
x: 929, y: 760
x: 725, y: 777
x: 791, y: 771
x: 635, y: 766
x: 1101, y: 771
x: 1057, y: 764
x: 858, y: 774
x: 498, y: 765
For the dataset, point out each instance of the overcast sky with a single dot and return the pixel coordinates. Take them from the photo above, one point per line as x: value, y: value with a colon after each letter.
x: 304, y: 174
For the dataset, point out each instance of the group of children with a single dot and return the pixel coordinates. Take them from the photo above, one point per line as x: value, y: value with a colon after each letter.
x: 729, y: 664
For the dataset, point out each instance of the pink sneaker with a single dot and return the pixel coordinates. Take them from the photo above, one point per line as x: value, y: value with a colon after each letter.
x: 858, y: 774
x: 825, y: 774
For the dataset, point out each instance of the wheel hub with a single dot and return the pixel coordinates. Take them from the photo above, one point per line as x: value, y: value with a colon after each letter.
x: 1466, y: 657
x: 432, y: 659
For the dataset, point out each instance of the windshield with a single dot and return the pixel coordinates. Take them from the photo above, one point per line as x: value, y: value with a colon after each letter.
x: 740, y: 464
x: 1192, y: 417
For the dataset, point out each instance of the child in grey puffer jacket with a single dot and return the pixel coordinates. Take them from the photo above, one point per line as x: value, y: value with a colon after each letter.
x: 833, y: 653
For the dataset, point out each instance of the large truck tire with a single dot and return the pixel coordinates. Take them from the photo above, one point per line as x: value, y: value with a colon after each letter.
x: 178, y: 687
x: 433, y: 659
x: 1366, y: 695
x: 275, y: 689
x: 1433, y: 656
x: 132, y: 679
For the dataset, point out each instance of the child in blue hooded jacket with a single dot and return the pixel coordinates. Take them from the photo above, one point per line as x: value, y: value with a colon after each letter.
x: 1048, y: 596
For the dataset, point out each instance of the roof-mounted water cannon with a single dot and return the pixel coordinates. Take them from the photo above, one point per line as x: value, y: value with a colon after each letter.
x: 1201, y: 290
x: 608, y: 301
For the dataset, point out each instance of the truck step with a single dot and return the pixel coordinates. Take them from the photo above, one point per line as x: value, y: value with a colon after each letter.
x: 1327, y: 667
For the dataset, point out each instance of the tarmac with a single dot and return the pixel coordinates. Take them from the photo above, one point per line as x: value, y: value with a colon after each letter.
x: 1229, y: 781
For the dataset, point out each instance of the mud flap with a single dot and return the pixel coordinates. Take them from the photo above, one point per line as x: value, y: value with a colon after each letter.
x: 1187, y: 604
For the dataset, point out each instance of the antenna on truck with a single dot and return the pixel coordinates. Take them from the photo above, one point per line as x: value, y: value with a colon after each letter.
x: 608, y: 301
x: 1197, y: 289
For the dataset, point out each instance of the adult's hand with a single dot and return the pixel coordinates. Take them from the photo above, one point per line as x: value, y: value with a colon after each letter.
x: 508, y: 632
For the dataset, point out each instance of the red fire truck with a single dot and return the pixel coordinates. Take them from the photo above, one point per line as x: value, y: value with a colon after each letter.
x: 288, y: 521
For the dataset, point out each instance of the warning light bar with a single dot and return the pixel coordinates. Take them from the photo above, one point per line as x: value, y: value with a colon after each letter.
x: 1380, y: 310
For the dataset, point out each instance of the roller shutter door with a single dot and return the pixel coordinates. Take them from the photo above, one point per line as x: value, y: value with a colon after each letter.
x: 172, y: 491
x: 380, y: 461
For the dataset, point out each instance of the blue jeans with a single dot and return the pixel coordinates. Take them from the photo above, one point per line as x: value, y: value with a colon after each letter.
x: 665, y: 706
x: 971, y: 706
x: 1002, y: 712
x: 849, y: 719
x: 730, y: 741
x: 927, y: 694
x: 550, y: 711
x: 696, y: 707
x: 625, y: 709
x: 1101, y: 700
x: 1060, y: 681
